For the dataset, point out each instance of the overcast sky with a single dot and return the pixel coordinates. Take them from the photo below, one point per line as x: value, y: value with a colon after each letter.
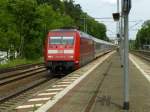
x: 104, y: 8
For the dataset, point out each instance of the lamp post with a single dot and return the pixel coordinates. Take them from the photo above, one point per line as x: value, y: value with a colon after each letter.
x: 126, y: 6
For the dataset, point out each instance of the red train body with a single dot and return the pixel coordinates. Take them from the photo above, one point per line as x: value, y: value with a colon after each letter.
x: 69, y: 49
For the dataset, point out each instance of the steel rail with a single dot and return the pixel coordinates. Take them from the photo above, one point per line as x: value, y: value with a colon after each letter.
x: 143, y: 54
x: 19, y: 67
x: 22, y: 90
x: 19, y: 77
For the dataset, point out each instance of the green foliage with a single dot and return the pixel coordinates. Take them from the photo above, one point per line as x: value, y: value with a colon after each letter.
x: 143, y: 35
x: 93, y: 27
x: 73, y: 10
x: 15, y: 62
x: 132, y: 45
x: 24, y: 23
x: 8, y: 34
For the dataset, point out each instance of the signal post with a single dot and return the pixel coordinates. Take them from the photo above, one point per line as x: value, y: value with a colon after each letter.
x: 126, y: 6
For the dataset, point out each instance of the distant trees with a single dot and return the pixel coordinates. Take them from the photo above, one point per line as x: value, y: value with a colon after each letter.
x: 143, y: 35
x: 24, y: 23
x: 93, y: 27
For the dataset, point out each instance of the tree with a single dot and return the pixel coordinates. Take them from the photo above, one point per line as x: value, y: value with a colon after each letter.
x: 143, y: 35
x: 81, y: 18
x: 24, y: 23
x: 49, y: 19
x: 57, y: 5
x: 8, y: 33
x: 25, y: 16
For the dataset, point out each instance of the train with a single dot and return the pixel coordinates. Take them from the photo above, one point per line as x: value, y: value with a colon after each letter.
x: 69, y: 49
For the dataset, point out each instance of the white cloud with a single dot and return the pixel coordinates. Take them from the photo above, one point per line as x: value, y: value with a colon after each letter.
x: 104, y: 8
x: 110, y: 1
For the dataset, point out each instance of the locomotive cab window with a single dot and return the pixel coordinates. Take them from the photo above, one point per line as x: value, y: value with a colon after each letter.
x: 68, y: 40
x: 61, y: 40
x: 55, y: 40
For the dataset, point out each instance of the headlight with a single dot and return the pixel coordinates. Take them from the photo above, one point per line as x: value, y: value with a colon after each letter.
x: 70, y: 56
x: 50, y: 56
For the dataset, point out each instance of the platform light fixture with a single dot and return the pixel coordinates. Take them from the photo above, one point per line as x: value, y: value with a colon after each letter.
x: 116, y: 16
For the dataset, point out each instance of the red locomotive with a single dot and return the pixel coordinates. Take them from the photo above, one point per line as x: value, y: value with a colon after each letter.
x: 69, y: 49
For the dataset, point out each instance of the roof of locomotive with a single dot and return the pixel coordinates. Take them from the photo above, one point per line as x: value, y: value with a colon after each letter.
x: 62, y: 30
x: 102, y: 41
x: 66, y: 29
x: 83, y: 34
x: 95, y: 39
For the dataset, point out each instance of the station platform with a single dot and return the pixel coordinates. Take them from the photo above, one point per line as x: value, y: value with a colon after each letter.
x: 102, y: 90
x: 97, y: 87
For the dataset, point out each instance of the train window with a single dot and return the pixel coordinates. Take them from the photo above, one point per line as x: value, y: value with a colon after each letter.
x: 68, y: 40
x: 61, y: 40
x: 55, y: 40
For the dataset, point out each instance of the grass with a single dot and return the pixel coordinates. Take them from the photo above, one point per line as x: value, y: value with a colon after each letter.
x: 15, y: 62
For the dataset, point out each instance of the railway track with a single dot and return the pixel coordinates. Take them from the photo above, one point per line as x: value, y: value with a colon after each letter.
x: 7, y: 79
x: 11, y: 77
x: 18, y: 85
x: 19, y: 67
x: 9, y: 102
x: 142, y: 54
x: 26, y: 82
x: 22, y: 89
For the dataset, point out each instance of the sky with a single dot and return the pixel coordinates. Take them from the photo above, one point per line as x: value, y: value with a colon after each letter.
x: 139, y: 13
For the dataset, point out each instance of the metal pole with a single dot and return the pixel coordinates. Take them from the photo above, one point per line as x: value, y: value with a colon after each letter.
x: 84, y: 24
x: 118, y: 32
x: 126, y: 63
x: 122, y: 44
x: 122, y: 37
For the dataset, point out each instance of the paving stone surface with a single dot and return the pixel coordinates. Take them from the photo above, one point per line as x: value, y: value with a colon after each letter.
x: 102, y: 90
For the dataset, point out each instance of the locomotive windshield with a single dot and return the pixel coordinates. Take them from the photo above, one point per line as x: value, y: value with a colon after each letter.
x: 61, y: 40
